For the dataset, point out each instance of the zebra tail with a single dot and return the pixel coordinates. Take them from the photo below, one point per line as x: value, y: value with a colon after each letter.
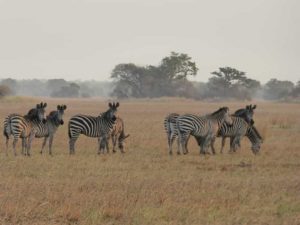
x: 7, y: 131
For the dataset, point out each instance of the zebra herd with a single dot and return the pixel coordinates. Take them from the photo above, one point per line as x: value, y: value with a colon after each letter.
x: 206, y: 128
x: 108, y: 125
x: 35, y: 125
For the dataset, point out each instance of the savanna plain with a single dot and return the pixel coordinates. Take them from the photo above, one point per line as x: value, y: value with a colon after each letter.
x: 146, y: 185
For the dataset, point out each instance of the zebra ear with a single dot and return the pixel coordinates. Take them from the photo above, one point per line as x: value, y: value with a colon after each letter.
x: 58, y: 107
x: 64, y: 107
x: 110, y: 105
x: 254, y: 107
x: 38, y: 106
x: 248, y: 107
x: 117, y: 105
x: 45, y: 105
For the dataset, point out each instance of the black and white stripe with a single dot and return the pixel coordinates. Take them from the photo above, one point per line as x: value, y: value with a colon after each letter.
x: 170, y: 124
x: 23, y: 127
x: 91, y: 126
x: 204, y: 128
x: 236, y: 131
x: 48, y: 129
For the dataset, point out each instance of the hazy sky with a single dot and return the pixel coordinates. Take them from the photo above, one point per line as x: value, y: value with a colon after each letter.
x: 85, y: 39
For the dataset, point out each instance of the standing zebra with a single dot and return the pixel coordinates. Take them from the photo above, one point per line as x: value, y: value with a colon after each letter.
x: 203, y: 127
x: 23, y: 127
x: 171, y: 129
x: 100, y: 126
x: 244, y: 113
x: 118, y: 134
x: 236, y: 131
x: 48, y: 129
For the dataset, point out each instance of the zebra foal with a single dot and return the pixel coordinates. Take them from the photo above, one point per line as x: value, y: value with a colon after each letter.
x: 48, y: 129
x: 203, y: 128
x: 118, y: 134
x: 23, y: 127
x: 100, y: 126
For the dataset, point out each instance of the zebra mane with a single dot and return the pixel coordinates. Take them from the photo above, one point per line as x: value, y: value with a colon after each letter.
x: 256, y: 131
x: 52, y: 114
x: 223, y: 109
x: 32, y: 114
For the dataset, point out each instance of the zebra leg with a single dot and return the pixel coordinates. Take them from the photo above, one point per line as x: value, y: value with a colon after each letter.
x: 212, y: 143
x: 14, y: 145
x: 6, y: 142
x: 72, y: 145
x: 50, y: 144
x: 43, y: 145
x: 232, y: 142
x: 171, y: 139
x: 24, y: 146
x: 107, y: 144
x: 30, y: 139
x: 223, y: 144
x: 102, y: 145
x: 114, y: 142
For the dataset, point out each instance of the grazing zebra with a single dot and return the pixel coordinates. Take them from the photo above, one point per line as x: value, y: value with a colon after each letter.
x: 23, y: 127
x: 118, y: 134
x: 236, y: 131
x: 204, y: 128
x: 245, y: 113
x: 100, y: 126
x: 48, y: 129
x: 255, y: 139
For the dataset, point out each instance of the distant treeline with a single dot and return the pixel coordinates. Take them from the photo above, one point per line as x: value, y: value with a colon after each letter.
x: 169, y: 78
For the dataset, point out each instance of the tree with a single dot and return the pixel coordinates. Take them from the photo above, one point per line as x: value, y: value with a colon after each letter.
x: 277, y: 89
x: 12, y: 84
x: 153, y: 81
x: 70, y: 91
x: 5, y: 90
x: 232, y: 83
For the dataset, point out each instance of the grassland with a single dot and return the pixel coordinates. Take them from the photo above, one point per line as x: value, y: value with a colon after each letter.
x: 146, y: 185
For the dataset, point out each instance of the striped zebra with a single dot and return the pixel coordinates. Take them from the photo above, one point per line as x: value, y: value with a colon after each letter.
x: 236, y: 131
x: 171, y: 130
x: 48, y: 129
x: 100, y: 126
x: 23, y: 127
x: 203, y: 128
x: 244, y: 113
x: 255, y: 139
x: 118, y: 134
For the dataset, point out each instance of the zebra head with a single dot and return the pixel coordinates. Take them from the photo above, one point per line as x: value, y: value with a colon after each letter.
x: 246, y: 113
x: 111, y: 113
x: 255, y: 138
x: 38, y: 113
x: 59, y: 114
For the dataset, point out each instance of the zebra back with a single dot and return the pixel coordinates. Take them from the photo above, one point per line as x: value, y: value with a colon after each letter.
x: 238, y: 127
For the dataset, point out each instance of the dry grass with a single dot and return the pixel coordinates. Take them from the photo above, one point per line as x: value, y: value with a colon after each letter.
x: 146, y: 185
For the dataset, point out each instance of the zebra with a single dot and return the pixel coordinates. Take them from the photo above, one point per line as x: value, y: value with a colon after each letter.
x: 171, y: 129
x: 23, y: 127
x: 245, y: 113
x: 236, y: 131
x: 255, y: 139
x: 204, y: 128
x: 100, y: 126
x: 48, y: 129
x: 118, y: 134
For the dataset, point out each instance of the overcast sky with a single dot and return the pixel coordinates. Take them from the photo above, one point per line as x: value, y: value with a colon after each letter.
x: 85, y: 39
